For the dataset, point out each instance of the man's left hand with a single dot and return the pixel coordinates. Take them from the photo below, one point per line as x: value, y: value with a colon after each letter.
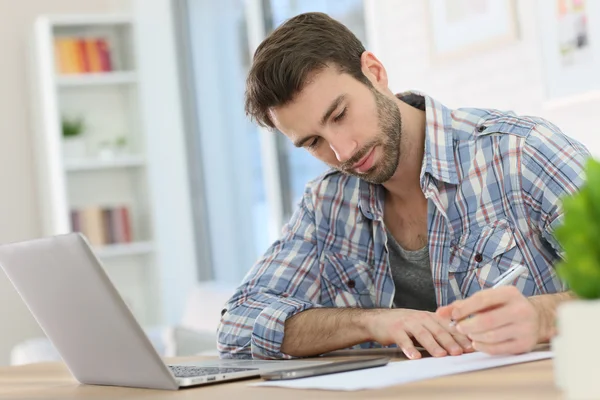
x: 498, y: 321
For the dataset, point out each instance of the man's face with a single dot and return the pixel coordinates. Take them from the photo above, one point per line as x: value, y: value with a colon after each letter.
x: 346, y: 124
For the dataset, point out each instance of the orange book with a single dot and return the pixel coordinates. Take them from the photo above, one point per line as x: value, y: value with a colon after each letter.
x: 82, y: 56
x: 61, y: 53
x: 57, y: 65
x: 72, y: 62
x: 76, y: 55
x: 93, y: 55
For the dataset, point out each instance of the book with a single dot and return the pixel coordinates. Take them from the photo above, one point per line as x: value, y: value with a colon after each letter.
x: 80, y: 55
x: 107, y: 224
x: 93, y: 225
x: 103, y: 225
x: 104, y: 52
x: 75, y: 221
x: 93, y: 55
x: 126, y: 228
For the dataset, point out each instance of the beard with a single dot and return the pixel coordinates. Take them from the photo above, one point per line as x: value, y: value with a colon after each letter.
x: 388, y: 137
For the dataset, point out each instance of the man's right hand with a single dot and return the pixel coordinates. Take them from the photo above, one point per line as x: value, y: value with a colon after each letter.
x: 404, y: 327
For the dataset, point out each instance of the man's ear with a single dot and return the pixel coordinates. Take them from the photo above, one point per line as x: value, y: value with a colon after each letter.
x: 374, y: 70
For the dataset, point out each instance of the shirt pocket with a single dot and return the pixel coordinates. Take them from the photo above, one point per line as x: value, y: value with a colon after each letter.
x: 489, y: 251
x: 348, y: 282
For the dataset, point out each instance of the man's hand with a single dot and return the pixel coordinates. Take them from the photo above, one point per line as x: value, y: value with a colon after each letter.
x: 498, y: 321
x: 402, y: 326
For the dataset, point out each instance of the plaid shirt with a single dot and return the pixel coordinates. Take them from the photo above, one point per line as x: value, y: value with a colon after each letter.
x: 493, y: 182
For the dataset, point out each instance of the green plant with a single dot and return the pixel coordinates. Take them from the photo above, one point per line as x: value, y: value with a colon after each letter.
x: 579, y: 236
x: 121, y: 142
x: 72, y: 127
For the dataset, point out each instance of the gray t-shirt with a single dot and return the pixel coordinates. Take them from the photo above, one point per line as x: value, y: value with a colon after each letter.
x: 412, y: 277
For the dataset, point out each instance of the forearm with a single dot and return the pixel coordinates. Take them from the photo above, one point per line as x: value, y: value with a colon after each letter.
x: 546, y: 306
x: 319, y: 331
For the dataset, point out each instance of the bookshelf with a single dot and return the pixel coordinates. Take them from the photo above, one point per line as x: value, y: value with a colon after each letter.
x: 91, y: 148
x: 93, y: 79
x: 83, y: 164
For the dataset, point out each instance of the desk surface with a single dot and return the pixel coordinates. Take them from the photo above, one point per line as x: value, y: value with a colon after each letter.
x: 522, y: 381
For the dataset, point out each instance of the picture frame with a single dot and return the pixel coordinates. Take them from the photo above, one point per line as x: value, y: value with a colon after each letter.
x: 459, y: 28
x: 569, y: 32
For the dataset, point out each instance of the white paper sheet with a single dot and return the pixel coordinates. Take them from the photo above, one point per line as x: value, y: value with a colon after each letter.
x: 400, y: 372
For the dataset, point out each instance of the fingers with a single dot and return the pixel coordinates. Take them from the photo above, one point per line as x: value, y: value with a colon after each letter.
x: 517, y: 345
x: 406, y: 344
x: 494, y: 336
x: 442, y: 315
x: 486, y: 321
x: 426, y: 340
x: 464, y: 342
x: 503, y: 348
x: 483, y: 300
x: 443, y: 337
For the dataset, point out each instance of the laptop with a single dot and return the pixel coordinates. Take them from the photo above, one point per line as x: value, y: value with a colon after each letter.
x: 73, y: 300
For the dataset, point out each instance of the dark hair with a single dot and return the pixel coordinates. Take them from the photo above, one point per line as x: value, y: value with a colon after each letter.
x: 291, y: 55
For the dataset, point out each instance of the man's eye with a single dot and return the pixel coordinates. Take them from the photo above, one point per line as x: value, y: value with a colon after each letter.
x: 313, y: 143
x: 340, y: 116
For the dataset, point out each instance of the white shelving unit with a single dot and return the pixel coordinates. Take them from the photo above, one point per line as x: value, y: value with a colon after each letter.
x: 95, y: 79
x: 84, y: 164
x: 100, y: 175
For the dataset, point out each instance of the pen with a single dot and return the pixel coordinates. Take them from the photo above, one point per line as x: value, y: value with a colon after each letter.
x: 504, y: 279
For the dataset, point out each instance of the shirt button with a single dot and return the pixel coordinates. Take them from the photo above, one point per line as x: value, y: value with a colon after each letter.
x: 481, y: 128
x: 351, y: 284
x: 478, y: 257
x: 223, y: 311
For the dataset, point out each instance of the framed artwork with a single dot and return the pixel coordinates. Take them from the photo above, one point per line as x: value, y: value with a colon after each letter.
x: 462, y: 27
x: 570, y: 41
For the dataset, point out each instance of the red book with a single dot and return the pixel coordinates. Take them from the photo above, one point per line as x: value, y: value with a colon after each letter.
x: 124, y: 211
x: 104, y: 53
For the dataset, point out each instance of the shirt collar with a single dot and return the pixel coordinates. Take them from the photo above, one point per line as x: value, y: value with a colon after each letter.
x: 438, y: 157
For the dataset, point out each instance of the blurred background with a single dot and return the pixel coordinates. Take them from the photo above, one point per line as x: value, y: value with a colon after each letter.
x: 123, y: 119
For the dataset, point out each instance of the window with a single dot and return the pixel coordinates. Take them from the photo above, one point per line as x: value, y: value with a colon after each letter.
x: 245, y: 181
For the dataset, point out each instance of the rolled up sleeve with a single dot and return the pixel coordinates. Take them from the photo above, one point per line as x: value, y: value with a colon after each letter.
x: 283, y: 283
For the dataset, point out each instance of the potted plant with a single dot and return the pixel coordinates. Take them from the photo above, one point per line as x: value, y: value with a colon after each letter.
x: 73, y: 141
x: 577, y: 353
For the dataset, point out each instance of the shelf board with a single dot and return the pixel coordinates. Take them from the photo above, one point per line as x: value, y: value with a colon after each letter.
x: 96, y: 79
x: 124, y: 249
x: 70, y: 21
x: 131, y: 161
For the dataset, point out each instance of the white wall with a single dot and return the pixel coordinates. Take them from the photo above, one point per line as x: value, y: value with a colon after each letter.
x: 19, y: 216
x: 506, y: 77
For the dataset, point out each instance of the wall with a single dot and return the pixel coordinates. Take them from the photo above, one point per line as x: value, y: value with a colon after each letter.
x: 19, y: 217
x: 507, y: 77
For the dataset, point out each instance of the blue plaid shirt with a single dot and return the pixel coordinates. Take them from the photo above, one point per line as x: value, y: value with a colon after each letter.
x: 493, y: 181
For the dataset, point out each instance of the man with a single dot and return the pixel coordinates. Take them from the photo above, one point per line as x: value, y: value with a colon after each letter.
x: 423, y: 209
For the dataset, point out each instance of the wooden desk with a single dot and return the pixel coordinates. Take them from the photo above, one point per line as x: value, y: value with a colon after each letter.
x: 522, y: 381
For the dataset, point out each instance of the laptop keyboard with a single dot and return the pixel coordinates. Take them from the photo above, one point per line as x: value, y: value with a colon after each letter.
x: 184, y: 371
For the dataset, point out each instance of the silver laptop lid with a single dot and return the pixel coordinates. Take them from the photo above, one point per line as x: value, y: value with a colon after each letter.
x: 81, y: 312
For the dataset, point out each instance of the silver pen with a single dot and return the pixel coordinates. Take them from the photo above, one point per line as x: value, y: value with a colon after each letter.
x: 506, y: 278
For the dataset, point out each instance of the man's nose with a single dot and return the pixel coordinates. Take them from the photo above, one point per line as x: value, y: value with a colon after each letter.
x: 344, y: 148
